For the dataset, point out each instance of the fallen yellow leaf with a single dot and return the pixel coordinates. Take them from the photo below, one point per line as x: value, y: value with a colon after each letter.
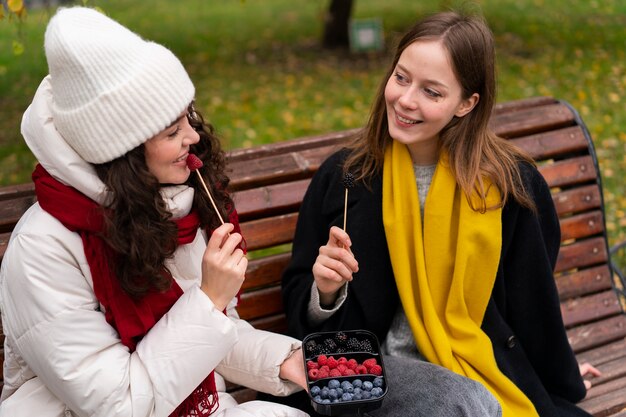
x: 16, y: 6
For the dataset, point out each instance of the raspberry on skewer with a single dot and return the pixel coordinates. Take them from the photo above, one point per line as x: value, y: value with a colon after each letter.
x: 194, y: 163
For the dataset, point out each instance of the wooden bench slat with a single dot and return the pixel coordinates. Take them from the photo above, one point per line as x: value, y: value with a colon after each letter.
x: 265, y: 233
x: 607, y: 404
x: 12, y: 210
x: 270, y: 200
x: 584, y: 281
x: 276, y: 323
x: 265, y: 271
x: 592, y: 335
x: 554, y: 143
x: 569, y: 172
x: 4, y: 241
x: 277, y: 168
x: 577, y: 199
x: 581, y: 310
x: 582, y: 254
x: 290, y: 145
x: 611, y: 371
x: 524, y: 103
x: 582, y: 225
x: 532, y: 120
x: 605, y: 353
x: 597, y: 389
x: 260, y: 303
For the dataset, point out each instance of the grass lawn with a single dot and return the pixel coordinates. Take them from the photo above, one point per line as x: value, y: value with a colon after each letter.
x: 261, y: 76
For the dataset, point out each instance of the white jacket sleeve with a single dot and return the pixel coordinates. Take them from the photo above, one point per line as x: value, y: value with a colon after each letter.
x: 55, y: 323
x: 255, y: 359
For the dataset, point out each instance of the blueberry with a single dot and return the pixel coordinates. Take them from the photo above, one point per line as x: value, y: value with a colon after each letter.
x: 357, y: 391
x: 356, y: 397
x: 325, y: 401
x: 346, y: 397
x: 366, y: 395
x: 317, y: 399
x: 339, y: 391
x: 332, y: 394
x: 315, y: 390
x: 324, y: 393
x: 378, y: 382
x: 333, y: 383
x: 345, y: 385
x: 377, y: 392
x: 357, y: 383
x: 367, y: 386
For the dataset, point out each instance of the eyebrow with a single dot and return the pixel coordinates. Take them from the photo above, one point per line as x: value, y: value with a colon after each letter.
x: 174, y: 122
x: 435, y: 82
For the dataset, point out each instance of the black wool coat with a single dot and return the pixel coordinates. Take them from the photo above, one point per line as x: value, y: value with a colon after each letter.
x: 523, y: 317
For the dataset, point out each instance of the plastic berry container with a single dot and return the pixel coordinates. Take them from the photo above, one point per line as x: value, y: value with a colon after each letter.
x: 345, y: 372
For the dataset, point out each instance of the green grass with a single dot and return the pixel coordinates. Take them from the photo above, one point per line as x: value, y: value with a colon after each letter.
x: 261, y: 76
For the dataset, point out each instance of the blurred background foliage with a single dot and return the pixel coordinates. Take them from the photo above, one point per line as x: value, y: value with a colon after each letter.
x: 261, y: 75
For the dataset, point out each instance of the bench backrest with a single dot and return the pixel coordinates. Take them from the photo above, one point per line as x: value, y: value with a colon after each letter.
x: 269, y: 181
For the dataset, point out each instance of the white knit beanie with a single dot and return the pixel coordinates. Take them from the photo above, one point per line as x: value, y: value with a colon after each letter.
x: 112, y: 90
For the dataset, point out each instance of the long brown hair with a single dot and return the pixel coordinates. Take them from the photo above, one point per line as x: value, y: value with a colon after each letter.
x: 138, y: 225
x: 474, y: 151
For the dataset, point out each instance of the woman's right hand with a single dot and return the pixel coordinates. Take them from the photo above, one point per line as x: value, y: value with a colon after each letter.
x: 334, y: 265
x: 223, y: 266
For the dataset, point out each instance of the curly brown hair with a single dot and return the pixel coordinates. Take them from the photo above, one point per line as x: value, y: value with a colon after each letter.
x: 138, y: 225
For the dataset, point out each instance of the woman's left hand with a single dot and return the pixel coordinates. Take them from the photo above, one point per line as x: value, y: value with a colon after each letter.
x: 588, y: 369
x: 292, y: 369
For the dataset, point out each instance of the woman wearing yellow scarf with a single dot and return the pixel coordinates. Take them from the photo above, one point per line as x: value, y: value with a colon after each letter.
x: 451, y: 241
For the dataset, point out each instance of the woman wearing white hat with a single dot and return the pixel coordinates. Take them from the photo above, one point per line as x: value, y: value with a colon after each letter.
x: 119, y: 286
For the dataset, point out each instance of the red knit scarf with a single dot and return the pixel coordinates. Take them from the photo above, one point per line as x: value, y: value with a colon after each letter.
x: 131, y: 318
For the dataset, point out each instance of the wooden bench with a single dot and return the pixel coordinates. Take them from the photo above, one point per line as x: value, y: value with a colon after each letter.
x: 268, y: 183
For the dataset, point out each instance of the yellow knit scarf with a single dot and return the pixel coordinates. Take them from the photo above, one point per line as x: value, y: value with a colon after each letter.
x: 445, y: 275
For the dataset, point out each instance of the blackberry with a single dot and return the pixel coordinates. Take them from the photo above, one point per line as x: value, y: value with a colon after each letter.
x: 329, y: 346
x: 353, y: 344
x: 341, y: 338
x: 311, y: 346
x: 348, y: 180
x: 366, y: 346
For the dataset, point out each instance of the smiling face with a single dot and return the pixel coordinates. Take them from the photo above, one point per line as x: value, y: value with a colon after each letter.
x: 422, y: 96
x: 166, y: 153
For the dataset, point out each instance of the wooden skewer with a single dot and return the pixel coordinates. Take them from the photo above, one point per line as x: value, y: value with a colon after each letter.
x: 193, y: 163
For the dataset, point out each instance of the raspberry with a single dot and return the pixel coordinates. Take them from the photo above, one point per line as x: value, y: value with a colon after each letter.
x: 324, y: 368
x: 314, y: 374
x: 342, y: 368
x: 352, y: 364
x: 361, y: 369
x: 193, y: 162
x: 348, y: 372
x: 368, y: 363
x: 342, y: 360
x: 332, y: 362
x: 323, y: 374
x: 334, y: 373
x: 322, y: 359
x: 312, y: 365
x: 376, y: 370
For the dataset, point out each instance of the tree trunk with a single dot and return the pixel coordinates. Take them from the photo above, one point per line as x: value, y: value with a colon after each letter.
x: 336, y: 24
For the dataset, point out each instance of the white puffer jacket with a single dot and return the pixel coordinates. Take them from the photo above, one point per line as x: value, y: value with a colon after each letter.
x: 61, y: 356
